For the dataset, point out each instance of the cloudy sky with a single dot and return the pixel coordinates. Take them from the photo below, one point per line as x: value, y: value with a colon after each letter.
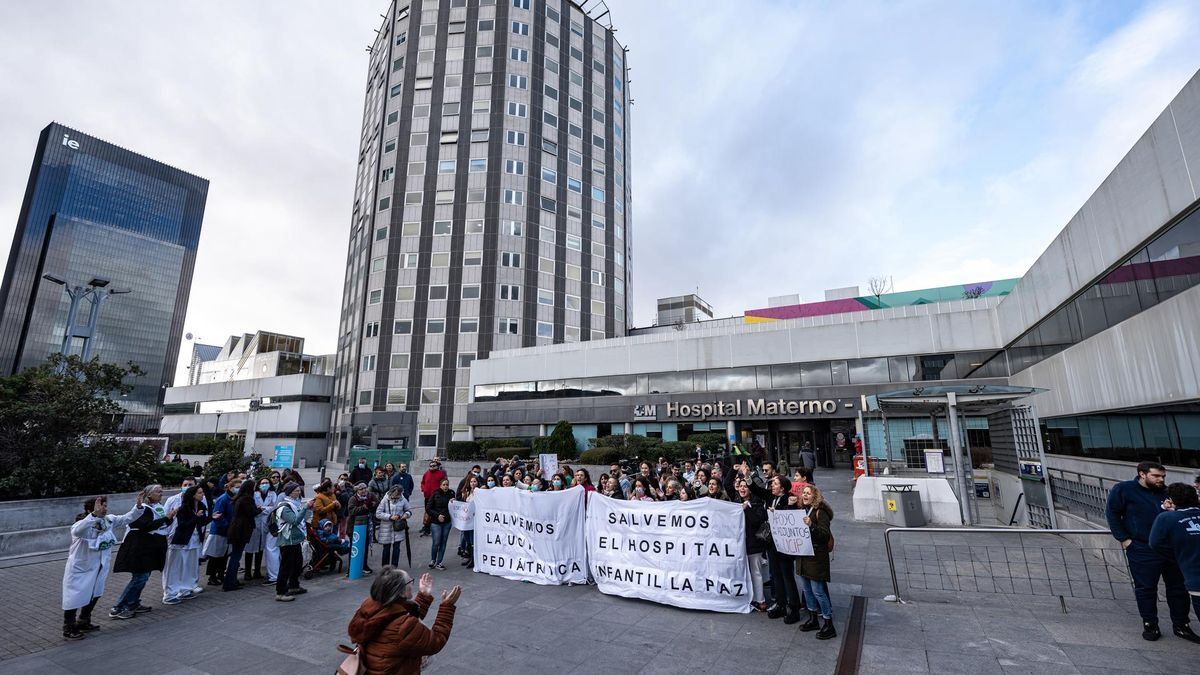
x: 778, y: 146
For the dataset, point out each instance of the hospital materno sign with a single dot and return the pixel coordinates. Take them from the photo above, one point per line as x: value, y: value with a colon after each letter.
x: 750, y: 407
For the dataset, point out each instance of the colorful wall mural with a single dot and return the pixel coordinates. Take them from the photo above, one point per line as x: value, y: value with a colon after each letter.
x: 982, y: 289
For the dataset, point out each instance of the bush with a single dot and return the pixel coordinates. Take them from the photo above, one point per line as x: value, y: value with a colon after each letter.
x: 229, y: 458
x: 462, y: 451
x: 632, y: 445
x: 601, y: 456
x: 494, y: 454
x: 171, y: 474
x: 710, y: 442
x: 541, y: 445
x: 677, y: 451
x: 491, y: 443
x: 562, y: 441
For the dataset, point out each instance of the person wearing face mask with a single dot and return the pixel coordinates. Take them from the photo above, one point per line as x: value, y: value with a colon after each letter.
x: 641, y: 490
x: 216, y: 545
x: 439, y: 521
x: 466, y: 538
x: 293, y: 518
x: 254, y: 547
x: 393, y: 514
x: 556, y: 483
x: 536, y: 484
x: 266, y: 499
x: 92, y: 541
x: 491, y: 482
x: 360, y: 473
x: 241, y: 529
x: 181, y: 572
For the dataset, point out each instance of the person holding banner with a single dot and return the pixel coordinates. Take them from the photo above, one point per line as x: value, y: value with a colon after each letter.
x: 756, y: 514
x: 466, y: 538
x: 438, y: 508
x: 642, y: 490
x: 814, y: 569
x: 783, y: 581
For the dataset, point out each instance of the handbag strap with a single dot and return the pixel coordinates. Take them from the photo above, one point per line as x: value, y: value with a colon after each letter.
x: 347, y: 650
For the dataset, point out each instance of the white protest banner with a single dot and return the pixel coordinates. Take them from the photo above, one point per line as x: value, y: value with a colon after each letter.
x: 462, y: 515
x: 531, y: 536
x: 790, y: 534
x: 549, y: 464
x: 686, y: 554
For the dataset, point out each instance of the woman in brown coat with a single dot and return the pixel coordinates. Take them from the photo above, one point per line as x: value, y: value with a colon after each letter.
x: 325, y: 505
x: 387, y: 626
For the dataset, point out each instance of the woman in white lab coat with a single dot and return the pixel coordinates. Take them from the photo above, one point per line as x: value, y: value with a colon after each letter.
x: 266, y: 500
x: 92, y: 541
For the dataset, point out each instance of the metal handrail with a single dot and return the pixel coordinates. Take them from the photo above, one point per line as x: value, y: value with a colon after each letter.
x: 887, y: 542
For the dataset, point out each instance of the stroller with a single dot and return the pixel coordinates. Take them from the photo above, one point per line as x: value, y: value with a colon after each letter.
x: 318, y: 556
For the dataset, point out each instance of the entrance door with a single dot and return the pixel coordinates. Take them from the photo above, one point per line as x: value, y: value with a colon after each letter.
x: 790, y: 443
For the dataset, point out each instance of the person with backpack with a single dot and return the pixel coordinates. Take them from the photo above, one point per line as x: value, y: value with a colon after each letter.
x: 814, y: 569
x: 288, y: 523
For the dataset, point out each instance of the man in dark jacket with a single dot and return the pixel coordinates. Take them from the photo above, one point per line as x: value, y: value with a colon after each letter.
x: 1131, y: 509
x: 143, y: 551
x: 404, y: 479
x: 1176, y: 536
x: 361, y: 473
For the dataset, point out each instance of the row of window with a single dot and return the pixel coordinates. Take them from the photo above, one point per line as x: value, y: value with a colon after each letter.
x: 504, y: 326
x: 437, y: 292
x: 399, y: 396
x: 401, y: 361
x: 928, y: 367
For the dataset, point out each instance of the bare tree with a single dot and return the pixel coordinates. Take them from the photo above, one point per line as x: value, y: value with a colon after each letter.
x: 877, y: 286
x: 974, y: 292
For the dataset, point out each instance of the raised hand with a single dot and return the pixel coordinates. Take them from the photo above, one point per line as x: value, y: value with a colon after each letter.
x: 426, y: 584
x: 451, y: 596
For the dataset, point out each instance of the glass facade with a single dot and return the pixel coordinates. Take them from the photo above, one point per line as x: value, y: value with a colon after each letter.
x: 1169, y: 437
x: 1167, y: 266
x: 963, y: 365
x: 93, y: 210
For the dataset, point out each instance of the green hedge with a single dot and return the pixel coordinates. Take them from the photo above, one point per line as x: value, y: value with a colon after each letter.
x: 711, y: 442
x: 602, y: 456
x: 490, y: 443
x: 171, y: 474
x: 462, y: 451
x: 496, y: 453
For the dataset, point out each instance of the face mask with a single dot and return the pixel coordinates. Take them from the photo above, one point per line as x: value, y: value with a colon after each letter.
x: 639, y: 491
x: 533, y: 488
x: 491, y: 483
x: 558, y: 483
x: 264, y: 487
x: 362, y: 465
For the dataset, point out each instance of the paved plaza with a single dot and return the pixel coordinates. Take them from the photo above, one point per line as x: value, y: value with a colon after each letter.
x: 503, y: 626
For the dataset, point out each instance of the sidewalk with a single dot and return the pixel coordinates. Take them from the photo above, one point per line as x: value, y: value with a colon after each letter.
x: 504, y: 626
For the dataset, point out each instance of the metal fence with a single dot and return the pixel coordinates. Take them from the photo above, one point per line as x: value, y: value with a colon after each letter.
x: 1063, y: 563
x: 1081, y: 494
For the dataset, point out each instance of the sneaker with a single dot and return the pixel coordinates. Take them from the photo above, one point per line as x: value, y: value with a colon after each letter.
x: 186, y: 595
x: 432, y: 564
x: 284, y: 598
x: 297, y: 591
x: 171, y: 600
x: 1184, y: 631
x: 120, y: 614
x: 72, y: 633
x: 141, y: 609
x: 1150, y: 631
x: 197, y: 590
x: 86, y: 626
x: 440, y: 566
x: 269, y: 582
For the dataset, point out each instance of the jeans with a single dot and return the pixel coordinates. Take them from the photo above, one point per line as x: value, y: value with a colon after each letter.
x: 132, y: 595
x: 441, y: 533
x: 466, y: 540
x: 231, y: 569
x: 783, y: 581
x: 290, y: 562
x: 816, y: 594
x: 1146, y: 567
x: 391, y: 554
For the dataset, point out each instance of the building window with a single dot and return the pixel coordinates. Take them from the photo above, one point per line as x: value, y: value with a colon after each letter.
x: 574, y: 243
x: 597, y: 308
x: 487, y: 24
x: 426, y: 440
x: 517, y: 109
x: 510, y: 259
x: 521, y: 4
x: 431, y: 395
x: 573, y: 272
x: 545, y: 329
x: 518, y: 81
x: 433, y: 361
x: 484, y: 52
x: 483, y: 79
x: 364, y: 397
x: 518, y: 54
x: 368, y: 362
x: 447, y: 166
x: 520, y: 28
x: 439, y: 260
x: 508, y: 326
x: 472, y: 258
x: 598, y: 277
x: 514, y: 137
x: 418, y: 139
x: 547, y: 235
x: 515, y: 197
x: 442, y: 228
x: 546, y: 265
x: 409, y: 260
x: 397, y: 396
x: 402, y: 327
x: 575, y: 185
x: 385, y: 203
x: 464, y: 360
x: 470, y: 325
x: 514, y: 227
x: 573, y: 302
x: 413, y: 198
x: 597, y: 249
x: 545, y: 297
x: 597, y: 194
x: 478, y: 165
x: 416, y: 168
x: 371, y: 329
x: 474, y: 227
x: 480, y: 135
x: 550, y: 176
x: 549, y: 204
x: 470, y: 292
x: 439, y: 292
x: 514, y: 166
x: 509, y: 292
x: 443, y: 197
x: 399, y: 361
x: 435, y: 326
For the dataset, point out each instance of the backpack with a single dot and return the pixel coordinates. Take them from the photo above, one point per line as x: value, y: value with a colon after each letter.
x: 273, y: 524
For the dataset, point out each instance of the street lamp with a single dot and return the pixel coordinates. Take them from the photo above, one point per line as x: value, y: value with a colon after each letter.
x: 96, y: 292
x: 218, y: 424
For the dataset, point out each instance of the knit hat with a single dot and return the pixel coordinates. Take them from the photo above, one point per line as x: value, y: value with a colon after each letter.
x: 289, y: 488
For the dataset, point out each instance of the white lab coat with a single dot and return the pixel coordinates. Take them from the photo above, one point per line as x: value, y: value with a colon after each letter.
x: 92, y: 542
x: 258, y: 536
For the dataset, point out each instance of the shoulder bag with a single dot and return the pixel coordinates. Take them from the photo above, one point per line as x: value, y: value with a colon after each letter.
x: 351, y: 665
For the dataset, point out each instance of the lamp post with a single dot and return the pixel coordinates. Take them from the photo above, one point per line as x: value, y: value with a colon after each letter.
x: 218, y: 424
x: 95, y: 291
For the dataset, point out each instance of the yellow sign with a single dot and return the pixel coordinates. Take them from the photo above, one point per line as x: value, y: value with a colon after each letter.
x: 891, y: 503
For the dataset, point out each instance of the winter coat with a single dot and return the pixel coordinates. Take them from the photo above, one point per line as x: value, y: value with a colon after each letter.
x: 224, y: 506
x: 241, y: 526
x: 361, y: 474
x: 292, y: 519
x: 378, y: 487
x: 143, y: 550
x: 756, y: 515
x: 439, y: 505
x: 816, y: 566
x: 386, y: 533
x: 392, y: 640
x: 325, y: 507
x: 1175, y: 536
x: 186, y: 524
x: 430, y: 480
x: 405, y: 481
x: 359, y: 506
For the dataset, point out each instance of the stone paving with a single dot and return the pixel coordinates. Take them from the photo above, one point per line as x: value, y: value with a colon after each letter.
x: 504, y: 626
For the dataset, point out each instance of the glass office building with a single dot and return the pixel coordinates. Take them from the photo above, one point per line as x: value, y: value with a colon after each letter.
x: 95, y: 211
